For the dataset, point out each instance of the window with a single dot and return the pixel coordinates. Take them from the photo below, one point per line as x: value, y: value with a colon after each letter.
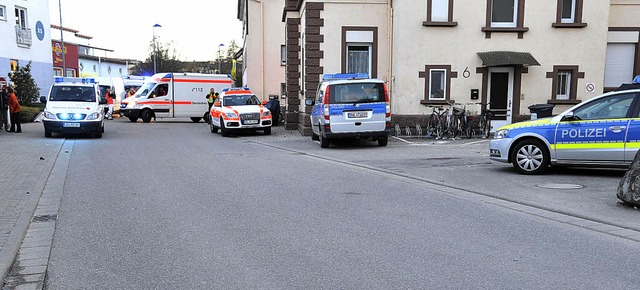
x: 283, y: 54
x: 437, y: 83
x: 360, y: 50
x: 504, y: 13
x: 505, y: 16
x: 612, y: 107
x: 564, y: 84
x: 437, y: 89
x: 569, y: 14
x: 359, y: 59
x: 439, y: 13
x: 3, y: 12
x: 21, y: 17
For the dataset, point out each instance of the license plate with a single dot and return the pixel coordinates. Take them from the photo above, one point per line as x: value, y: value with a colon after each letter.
x: 251, y: 122
x: 71, y: 125
x: 356, y: 114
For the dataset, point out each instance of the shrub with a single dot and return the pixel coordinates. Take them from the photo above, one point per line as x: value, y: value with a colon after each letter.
x: 27, y: 114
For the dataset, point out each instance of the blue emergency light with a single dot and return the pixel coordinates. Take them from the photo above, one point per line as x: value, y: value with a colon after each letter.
x: 58, y: 80
x: 236, y: 89
x: 353, y: 76
x: 636, y: 80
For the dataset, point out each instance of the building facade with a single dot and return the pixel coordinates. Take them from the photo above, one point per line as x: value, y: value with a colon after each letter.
x: 505, y: 55
x: 25, y: 34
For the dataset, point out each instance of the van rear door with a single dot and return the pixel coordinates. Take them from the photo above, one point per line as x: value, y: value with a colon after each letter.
x: 357, y: 107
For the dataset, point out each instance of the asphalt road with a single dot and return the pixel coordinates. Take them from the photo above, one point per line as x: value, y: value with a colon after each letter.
x: 169, y: 205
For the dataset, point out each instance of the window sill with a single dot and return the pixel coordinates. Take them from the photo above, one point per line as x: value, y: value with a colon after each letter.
x: 569, y: 25
x: 564, y: 102
x: 436, y: 102
x: 439, y: 24
x: 519, y: 30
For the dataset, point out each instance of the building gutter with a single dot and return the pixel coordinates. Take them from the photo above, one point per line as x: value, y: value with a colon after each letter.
x: 390, y: 77
x: 261, y: 44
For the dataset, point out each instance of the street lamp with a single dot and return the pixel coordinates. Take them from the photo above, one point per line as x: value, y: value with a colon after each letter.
x: 154, y: 46
x: 219, y: 56
x: 64, y: 64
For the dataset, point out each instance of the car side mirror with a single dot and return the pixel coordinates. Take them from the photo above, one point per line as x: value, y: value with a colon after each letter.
x: 569, y: 116
x: 216, y: 104
x: 43, y: 99
x: 102, y: 101
x: 309, y: 102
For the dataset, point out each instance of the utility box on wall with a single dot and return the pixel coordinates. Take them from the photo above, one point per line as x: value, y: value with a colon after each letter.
x: 475, y: 94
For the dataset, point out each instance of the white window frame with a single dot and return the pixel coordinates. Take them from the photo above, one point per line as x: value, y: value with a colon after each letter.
x: 573, y: 12
x: 443, y: 4
x: 514, y: 23
x: 566, y: 95
x: 283, y: 54
x: 443, y: 83
x: 19, y: 20
x: 3, y: 13
x: 369, y: 52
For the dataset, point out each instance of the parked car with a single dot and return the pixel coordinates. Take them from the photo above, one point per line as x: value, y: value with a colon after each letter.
x: 603, y: 131
x: 238, y: 109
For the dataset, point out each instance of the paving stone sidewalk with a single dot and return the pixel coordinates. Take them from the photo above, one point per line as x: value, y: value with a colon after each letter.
x: 26, y: 160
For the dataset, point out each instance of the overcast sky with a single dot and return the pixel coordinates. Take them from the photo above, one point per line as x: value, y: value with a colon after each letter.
x: 196, y: 27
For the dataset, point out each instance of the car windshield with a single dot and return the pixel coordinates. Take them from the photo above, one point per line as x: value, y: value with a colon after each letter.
x: 73, y: 94
x: 356, y: 93
x: 144, y: 90
x: 240, y: 100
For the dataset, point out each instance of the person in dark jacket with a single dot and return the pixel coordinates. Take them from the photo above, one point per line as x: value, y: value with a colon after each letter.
x: 14, y: 109
x: 4, y: 108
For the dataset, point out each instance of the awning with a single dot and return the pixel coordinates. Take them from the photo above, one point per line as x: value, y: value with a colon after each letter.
x: 506, y: 58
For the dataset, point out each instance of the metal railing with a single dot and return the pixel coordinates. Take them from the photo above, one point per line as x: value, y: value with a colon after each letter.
x: 23, y: 36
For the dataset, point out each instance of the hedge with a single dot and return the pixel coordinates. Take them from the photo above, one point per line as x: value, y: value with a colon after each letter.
x: 27, y: 114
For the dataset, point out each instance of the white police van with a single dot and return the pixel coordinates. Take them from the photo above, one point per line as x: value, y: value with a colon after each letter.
x: 350, y: 106
x: 74, y: 105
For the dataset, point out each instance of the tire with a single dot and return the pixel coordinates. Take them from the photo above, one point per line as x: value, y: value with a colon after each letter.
x: 47, y: 134
x: 485, y: 127
x: 223, y: 129
x: 146, y: 116
x: 267, y: 131
x: 195, y: 119
x: 453, y: 127
x: 97, y: 135
x: 440, y: 129
x: 324, y: 141
x: 213, y: 127
x: 314, y: 136
x: 530, y: 157
x: 133, y: 119
x: 207, y: 117
x: 383, y: 141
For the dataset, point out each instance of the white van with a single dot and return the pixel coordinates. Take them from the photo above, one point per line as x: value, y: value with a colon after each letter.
x: 74, y: 105
x: 170, y: 95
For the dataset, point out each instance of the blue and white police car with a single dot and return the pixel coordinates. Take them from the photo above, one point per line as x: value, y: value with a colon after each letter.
x: 350, y: 106
x: 603, y: 132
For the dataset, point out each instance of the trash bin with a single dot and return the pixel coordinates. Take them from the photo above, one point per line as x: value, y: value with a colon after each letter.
x: 541, y: 110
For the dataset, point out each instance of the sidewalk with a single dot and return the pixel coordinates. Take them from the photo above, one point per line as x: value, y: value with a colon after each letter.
x: 26, y: 160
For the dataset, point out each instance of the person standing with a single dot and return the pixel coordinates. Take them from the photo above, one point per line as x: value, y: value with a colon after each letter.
x: 14, y: 109
x: 110, y: 100
x: 4, y: 108
x: 211, y: 97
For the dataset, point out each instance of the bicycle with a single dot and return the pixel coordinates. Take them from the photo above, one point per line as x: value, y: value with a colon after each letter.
x: 461, y: 121
x: 437, y: 126
x: 485, y: 122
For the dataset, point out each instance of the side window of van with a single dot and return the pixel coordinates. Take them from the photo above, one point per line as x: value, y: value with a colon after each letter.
x: 319, y: 96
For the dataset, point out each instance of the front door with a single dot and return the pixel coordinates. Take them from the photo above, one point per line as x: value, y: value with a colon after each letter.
x: 500, y: 92
x: 162, y: 101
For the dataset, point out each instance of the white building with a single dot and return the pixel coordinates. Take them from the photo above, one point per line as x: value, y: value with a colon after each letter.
x: 25, y: 34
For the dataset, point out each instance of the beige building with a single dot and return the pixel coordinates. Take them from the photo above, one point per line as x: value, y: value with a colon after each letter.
x: 502, y: 54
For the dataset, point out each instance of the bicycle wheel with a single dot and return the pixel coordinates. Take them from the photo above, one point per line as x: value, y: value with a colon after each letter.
x: 452, y: 129
x: 431, y: 125
x: 484, y: 127
x: 467, y: 131
x: 440, y: 128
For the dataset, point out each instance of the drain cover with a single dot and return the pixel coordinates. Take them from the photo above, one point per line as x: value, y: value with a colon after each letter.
x: 45, y: 218
x: 561, y: 186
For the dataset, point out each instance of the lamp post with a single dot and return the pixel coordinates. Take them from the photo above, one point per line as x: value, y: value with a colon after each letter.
x: 219, y: 56
x: 64, y: 64
x: 154, y: 46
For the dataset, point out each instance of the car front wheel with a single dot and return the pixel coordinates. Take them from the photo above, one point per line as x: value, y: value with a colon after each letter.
x: 530, y: 157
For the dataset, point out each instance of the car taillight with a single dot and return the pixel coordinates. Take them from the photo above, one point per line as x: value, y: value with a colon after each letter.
x: 326, y: 103
x: 387, y: 102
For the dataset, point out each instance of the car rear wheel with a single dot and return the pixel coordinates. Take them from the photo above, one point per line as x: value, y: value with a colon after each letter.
x: 530, y: 157
x: 324, y: 141
x: 383, y: 141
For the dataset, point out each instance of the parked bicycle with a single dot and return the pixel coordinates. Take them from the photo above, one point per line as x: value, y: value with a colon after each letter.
x: 437, y: 121
x: 485, y: 122
x: 461, y: 124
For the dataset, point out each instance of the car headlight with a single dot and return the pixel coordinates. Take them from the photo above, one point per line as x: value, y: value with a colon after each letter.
x: 266, y: 113
x: 93, y: 116
x: 49, y: 115
x: 500, y: 134
x: 231, y: 115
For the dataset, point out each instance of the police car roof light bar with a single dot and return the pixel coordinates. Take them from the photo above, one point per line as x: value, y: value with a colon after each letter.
x: 352, y: 76
x: 58, y: 80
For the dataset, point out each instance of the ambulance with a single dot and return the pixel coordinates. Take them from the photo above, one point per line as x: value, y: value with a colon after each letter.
x: 171, y: 95
x: 238, y: 109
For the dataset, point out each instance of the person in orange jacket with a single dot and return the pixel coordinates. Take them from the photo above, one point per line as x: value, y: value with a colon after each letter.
x: 14, y: 110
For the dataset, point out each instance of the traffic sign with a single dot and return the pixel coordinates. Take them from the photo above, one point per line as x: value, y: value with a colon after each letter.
x: 590, y: 87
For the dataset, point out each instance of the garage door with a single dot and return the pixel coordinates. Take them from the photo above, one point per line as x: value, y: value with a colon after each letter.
x: 619, y: 64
